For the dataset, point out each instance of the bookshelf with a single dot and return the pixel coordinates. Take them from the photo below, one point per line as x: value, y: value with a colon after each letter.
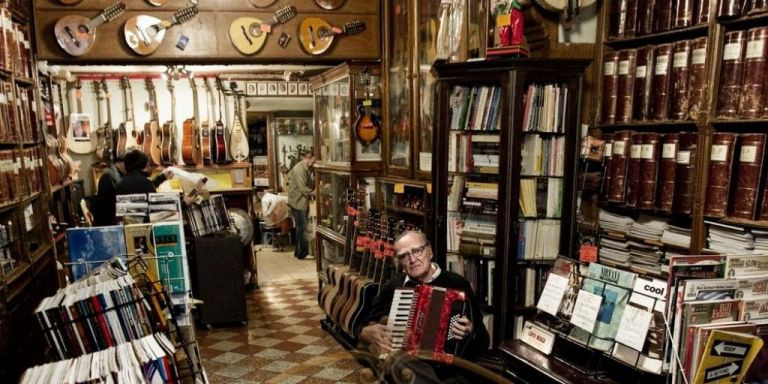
x: 479, y: 154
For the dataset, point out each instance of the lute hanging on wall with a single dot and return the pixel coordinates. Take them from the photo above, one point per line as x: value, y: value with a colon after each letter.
x: 76, y: 34
x: 248, y: 34
x: 316, y: 35
x: 143, y: 33
x: 238, y: 141
x: 368, y: 124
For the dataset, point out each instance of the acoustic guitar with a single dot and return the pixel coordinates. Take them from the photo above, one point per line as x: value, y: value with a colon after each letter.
x: 349, y: 278
x: 168, y: 151
x: 219, y: 144
x: 329, y: 4
x: 368, y: 125
x: 328, y: 294
x: 79, y: 136
x: 208, y: 125
x: 238, y: 140
x: 76, y: 34
x: 248, y: 34
x: 100, y: 133
x: 262, y: 3
x: 191, y: 151
x: 134, y: 137
x: 143, y: 33
x: 122, y: 129
x: 152, y: 138
x: 316, y: 35
x: 110, y: 143
x: 62, y: 128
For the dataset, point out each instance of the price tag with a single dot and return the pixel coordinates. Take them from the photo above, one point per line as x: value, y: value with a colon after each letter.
x: 552, y: 295
x: 633, y: 327
x: 538, y: 337
x: 266, y: 28
x: 588, y: 253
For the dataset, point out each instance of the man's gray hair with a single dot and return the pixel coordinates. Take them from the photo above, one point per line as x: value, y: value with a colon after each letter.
x: 416, y: 232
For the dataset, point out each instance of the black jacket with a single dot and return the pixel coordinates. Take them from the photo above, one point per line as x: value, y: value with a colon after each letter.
x: 137, y: 182
x: 104, y: 202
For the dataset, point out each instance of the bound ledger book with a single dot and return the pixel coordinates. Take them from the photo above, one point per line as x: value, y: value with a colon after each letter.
x: 678, y: 109
x: 610, y: 88
x: 659, y: 91
x: 752, y: 101
x: 649, y: 169
x: 662, y: 16
x: 607, y: 166
x: 731, y: 74
x: 698, y: 77
x: 619, y: 163
x: 701, y: 14
x: 633, y: 169
x: 685, y: 161
x: 625, y: 85
x: 729, y: 8
x: 644, y: 17
x: 683, y: 13
x: 667, y: 171
x: 719, y: 179
x: 643, y: 70
x: 748, y: 171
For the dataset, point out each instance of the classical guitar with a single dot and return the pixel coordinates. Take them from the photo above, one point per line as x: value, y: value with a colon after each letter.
x: 329, y: 4
x: 316, y: 35
x: 168, y: 151
x: 110, y: 144
x: 248, y: 34
x: 54, y: 167
x: 79, y: 136
x: 143, y: 33
x: 191, y: 151
x: 62, y: 123
x: 349, y: 278
x: 368, y: 125
x: 134, y: 137
x: 327, y: 296
x: 100, y: 133
x: 152, y: 139
x: 76, y: 34
x: 219, y: 144
x: 208, y: 125
x: 238, y: 140
x: 122, y: 129
x: 262, y: 3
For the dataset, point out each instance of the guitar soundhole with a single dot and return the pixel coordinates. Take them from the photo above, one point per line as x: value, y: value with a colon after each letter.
x: 323, y: 32
x: 255, y: 29
x: 82, y: 29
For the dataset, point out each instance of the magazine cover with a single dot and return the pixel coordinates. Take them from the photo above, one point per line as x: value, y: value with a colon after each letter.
x: 754, y: 309
x: 752, y: 288
x: 170, y: 253
x: 131, y: 205
x: 164, y: 207
x: 746, y: 266
x: 139, y: 242
x: 727, y: 357
x: 90, y: 247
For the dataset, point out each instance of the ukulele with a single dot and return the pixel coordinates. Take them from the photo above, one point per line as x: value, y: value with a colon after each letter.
x: 134, y: 137
x: 191, y: 152
x: 143, y: 33
x: 316, y: 35
x: 79, y: 136
x: 368, y: 125
x: 208, y: 125
x: 152, y: 139
x: 238, y: 141
x: 248, y: 34
x: 110, y: 144
x: 329, y: 4
x: 168, y: 151
x: 76, y: 34
x: 219, y: 145
x: 262, y: 3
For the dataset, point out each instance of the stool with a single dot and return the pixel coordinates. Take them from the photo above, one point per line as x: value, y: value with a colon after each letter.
x: 274, y: 236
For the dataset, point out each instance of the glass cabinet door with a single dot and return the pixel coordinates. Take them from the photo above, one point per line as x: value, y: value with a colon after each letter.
x: 367, y: 100
x: 330, y: 252
x: 399, y: 87
x: 426, y: 42
x: 292, y: 136
x: 331, y: 188
x: 332, y: 118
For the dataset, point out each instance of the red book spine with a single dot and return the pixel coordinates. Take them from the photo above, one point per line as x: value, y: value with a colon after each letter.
x: 662, y: 15
x: 619, y: 160
x: 643, y: 69
x: 659, y: 91
x: 678, y: 109
x: 719, y: 179
x: 730, y: 8
x: 698, y: 77
x: 752, y: 96
x: 649, y: 170
x: 701, y: 15
x: 731, y: 74
x: 748, y: 172
x: 644, y: 17
x: 667, y: 172
x: 625, y: 85
x: 610, y: 87
x: 102, y: 319
x: 685, y: 167
x: 607, y: 166
x: 683, y: 13
x: 633, y: 169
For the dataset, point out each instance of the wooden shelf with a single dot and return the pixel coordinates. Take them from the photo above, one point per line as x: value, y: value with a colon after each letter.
x: 541, y: 177
x: 661, y: 37
x: 744, y: 22
x: 24, y: 81
x: 543, y: 133
x: 756, y: 224
x: 669, y: 125
x: 409, y: 211
x: 36, y: 255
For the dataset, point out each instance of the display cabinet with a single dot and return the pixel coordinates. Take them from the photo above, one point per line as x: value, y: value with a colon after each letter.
x: 329, y: 252
x: 292, y: 133
x: 330, y: 191
x: 407, y: 200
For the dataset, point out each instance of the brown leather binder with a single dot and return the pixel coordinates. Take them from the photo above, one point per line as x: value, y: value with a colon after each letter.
x: 630, y: 18
x: 698, y: 77
x: 719, y: 177
x: 643, y: 71
x: 682, y: 13
x: 649, y: 170
x: 752, y: 97
x: 615, y: 19
x: 731, y: 74
x: 685, y: 172
x: 667, y: 172
x: 625, y: 85
x: 681, y: 58
x: 644, y: 17
x: 619, y: 163
x: 662, y: 15
x: 607, y: 166
x: 757, y: 6
x: 749, y: 169
x: 633, y: 169
x: 729, y: 8
x: 659, y: 91
x: 701, y: 14
x: 610, y: 87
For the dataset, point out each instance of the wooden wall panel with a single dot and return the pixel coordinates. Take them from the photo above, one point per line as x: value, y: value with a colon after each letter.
x: 208, y: 33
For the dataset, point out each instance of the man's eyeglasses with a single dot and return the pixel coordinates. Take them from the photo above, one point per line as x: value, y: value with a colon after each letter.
x: 414, y: 252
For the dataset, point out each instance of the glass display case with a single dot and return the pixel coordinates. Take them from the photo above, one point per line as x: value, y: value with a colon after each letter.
x: 292, y: 135
x: 399, y: 72
x: 330, y: 252
x: 331, y: 189
x: 10, y: 246
x: 408, y: 201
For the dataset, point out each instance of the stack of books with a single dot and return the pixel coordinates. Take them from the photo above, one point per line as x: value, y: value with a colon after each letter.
x: 614, y: 252
x: 761, y: 241
x: 613, y: 222
x: 677, y: 237
x: 729, y: 239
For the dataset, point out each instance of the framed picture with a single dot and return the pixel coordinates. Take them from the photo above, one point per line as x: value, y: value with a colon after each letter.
x: 293, y: 88
x: 261, y: 89
x: 282, y: 88
x: 303, y: 88
x: 334, y: 90
x: 272, y: 88
x: 251, y: 88
x: 344, y: 89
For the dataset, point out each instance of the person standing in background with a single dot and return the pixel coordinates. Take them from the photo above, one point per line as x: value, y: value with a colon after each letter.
x: 301, y: 187
x: 104, y: 201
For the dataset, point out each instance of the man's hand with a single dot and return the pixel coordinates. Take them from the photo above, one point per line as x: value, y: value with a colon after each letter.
x: 377, y: 335
x: 168, y: 174
x: 462, y: 328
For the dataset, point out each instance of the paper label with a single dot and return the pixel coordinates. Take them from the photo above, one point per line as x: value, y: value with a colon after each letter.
x: 624, y: 67
x: 608, y: 151
x: 538, y: 338
x: 699, y: 56
x: 619, y: 148
x: 552, y: 295
x: 585, y: 310
x: 683, y: 157
x: 662, y: 65
x: 732, y: 51
x: 668, y: 151
x: 755, y: 49
x: 609, y: 69
x: 719, y: 153
x: 647, y: 151
x: 633, y: 328
x: 503, y: 20
x: 681, y: 59
x: 399, y: 188
x: 636, y: 151
x: 748, y: 154
x: 641, y: 71
x: 588, y: 253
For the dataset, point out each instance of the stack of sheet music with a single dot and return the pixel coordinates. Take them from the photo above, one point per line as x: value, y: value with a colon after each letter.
x: 761, y: 241
x: 614, y: 222
x: 677, y: 236
x: 614, y: 252
x: 729, y: 239
x: 649, y: 228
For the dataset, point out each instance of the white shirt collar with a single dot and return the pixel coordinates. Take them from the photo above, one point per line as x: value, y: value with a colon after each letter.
x: 431, y: 278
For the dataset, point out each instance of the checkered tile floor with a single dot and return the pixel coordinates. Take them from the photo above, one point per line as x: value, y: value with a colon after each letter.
x: 282, y: 343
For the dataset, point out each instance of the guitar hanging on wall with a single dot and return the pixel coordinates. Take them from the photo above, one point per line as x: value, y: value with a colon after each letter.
x: 108, y: 132
x: 248, y: 34
x: 191, y: 152
x: 135, y: 137
x: 238, y: 141
x: 329, y: 4
x: 143, y: 33
x: 219, y: 144
x: 262, y: 3
x: 208, y: 126
x: 76, y: 34
x: 316, y: 35
x: 169, y: 150
x: 152, y: 136
x: 368, y: 124
x: 80, y: 137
